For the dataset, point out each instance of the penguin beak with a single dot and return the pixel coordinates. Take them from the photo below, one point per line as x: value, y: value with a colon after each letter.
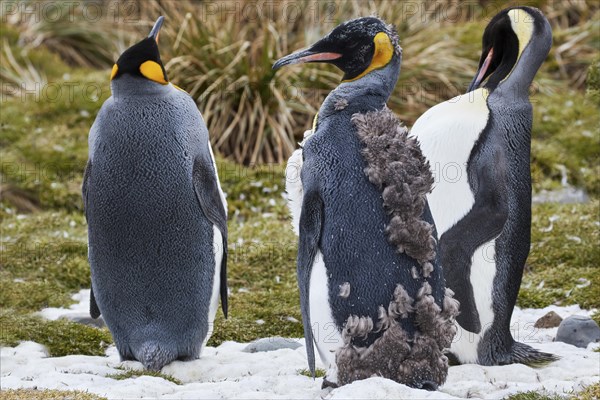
x: 304, y: 56
x: 155, y: 32
x: 481, y: 73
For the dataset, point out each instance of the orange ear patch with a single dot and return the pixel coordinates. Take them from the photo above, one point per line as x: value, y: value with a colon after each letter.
x: 153, y: 71
x: 114, y: 71
x: 384, y: 50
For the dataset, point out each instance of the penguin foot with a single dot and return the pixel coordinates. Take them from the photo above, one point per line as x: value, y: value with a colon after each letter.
x: 328, y: 384
x: 429, y: 386
x: 452, y: 358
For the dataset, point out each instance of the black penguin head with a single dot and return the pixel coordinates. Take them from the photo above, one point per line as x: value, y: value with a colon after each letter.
x: 505, y: 39
x: 357, y: 47
x: 143, y: 59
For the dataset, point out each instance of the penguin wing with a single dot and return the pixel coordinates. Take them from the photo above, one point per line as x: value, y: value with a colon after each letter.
x: 311, y: 220
x: 94, y: 310
x: 483, y: 223
x: 206, y: 186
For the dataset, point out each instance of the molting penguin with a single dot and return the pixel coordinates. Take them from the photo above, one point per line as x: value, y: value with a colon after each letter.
x: 157, y: 222
x: 483, y: 212
x: 372, y: 294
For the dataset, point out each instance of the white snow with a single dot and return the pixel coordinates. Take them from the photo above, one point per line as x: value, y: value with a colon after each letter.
x: 227, y: 372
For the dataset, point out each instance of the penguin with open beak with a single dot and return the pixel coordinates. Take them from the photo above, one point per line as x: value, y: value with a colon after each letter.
x: 479, y: 143
x: 372, y: 293
x: 157, y: 219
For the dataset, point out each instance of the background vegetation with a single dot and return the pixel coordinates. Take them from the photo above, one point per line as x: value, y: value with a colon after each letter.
x: 54, y: 77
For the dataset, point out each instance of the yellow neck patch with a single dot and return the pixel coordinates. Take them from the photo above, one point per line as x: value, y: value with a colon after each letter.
x: 314, y: 125
x: 178, y: 88
x: 114, y: 71
x: 153, y: 71
x: 522, y: 25
x: 384, y: 50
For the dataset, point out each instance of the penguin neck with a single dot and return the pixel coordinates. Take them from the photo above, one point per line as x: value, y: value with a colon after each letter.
x: 516, y: 84
x: 368, y: 93
x: 129, y: 86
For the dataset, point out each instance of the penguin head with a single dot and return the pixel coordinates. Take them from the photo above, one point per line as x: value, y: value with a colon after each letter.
x: 505, y: 40
x: 142, y: 59
x: 357, y: 47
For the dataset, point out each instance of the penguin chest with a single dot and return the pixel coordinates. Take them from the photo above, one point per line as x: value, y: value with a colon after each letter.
x: 447, y: 134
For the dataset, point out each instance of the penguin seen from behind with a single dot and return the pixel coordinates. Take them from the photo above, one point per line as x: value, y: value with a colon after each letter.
x: 157, y: 220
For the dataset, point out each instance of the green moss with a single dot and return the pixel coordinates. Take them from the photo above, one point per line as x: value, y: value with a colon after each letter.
x: 44, y: 260
x: 562, y: 264
x: 44, y: 141
x: 35, y: 394
x: 252, y: 191
x: 534, y: 395
x: 565, y: 135
x: 596, y: 316
x: 132, y: 373
x: 61, y: 337
x: 319, y: 373
x: 27, y: 296
x: 262, y: 273
x: 591, y: 392
x: 593, y: 83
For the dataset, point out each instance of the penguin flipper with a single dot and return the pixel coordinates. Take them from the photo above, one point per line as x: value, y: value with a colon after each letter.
x: 94, y: 310
x: 204, y: 177
x: 483, y: 223
x: 84, y: 185
x: 311, y: 220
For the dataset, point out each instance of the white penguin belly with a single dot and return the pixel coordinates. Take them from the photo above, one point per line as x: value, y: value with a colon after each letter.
x: 447, y: 134
x: 293, y: 188
x: 327, y: 338
x: 216, y: 289
x: 483, y: 271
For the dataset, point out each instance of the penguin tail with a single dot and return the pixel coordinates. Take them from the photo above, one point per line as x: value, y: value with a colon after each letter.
x: 524, y: 354
x: 153, y: 355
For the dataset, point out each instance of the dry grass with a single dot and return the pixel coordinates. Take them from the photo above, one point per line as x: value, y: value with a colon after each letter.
x: 221, y: 53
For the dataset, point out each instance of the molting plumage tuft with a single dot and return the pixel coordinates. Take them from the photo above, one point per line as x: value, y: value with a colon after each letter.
x: 396, y: 165
x: 417, y: 361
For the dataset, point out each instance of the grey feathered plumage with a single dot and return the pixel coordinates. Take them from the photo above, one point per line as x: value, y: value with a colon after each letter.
x: 151, y: 200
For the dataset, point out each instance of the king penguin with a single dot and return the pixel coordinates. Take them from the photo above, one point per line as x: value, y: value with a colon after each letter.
x: 372, y: 293
x: 479, y: 143
x: 157, y: 222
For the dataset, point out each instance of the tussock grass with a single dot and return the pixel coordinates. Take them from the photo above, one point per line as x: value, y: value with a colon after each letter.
x: 255, y: 116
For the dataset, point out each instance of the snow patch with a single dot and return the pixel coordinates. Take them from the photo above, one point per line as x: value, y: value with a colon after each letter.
x: 228, y: 372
